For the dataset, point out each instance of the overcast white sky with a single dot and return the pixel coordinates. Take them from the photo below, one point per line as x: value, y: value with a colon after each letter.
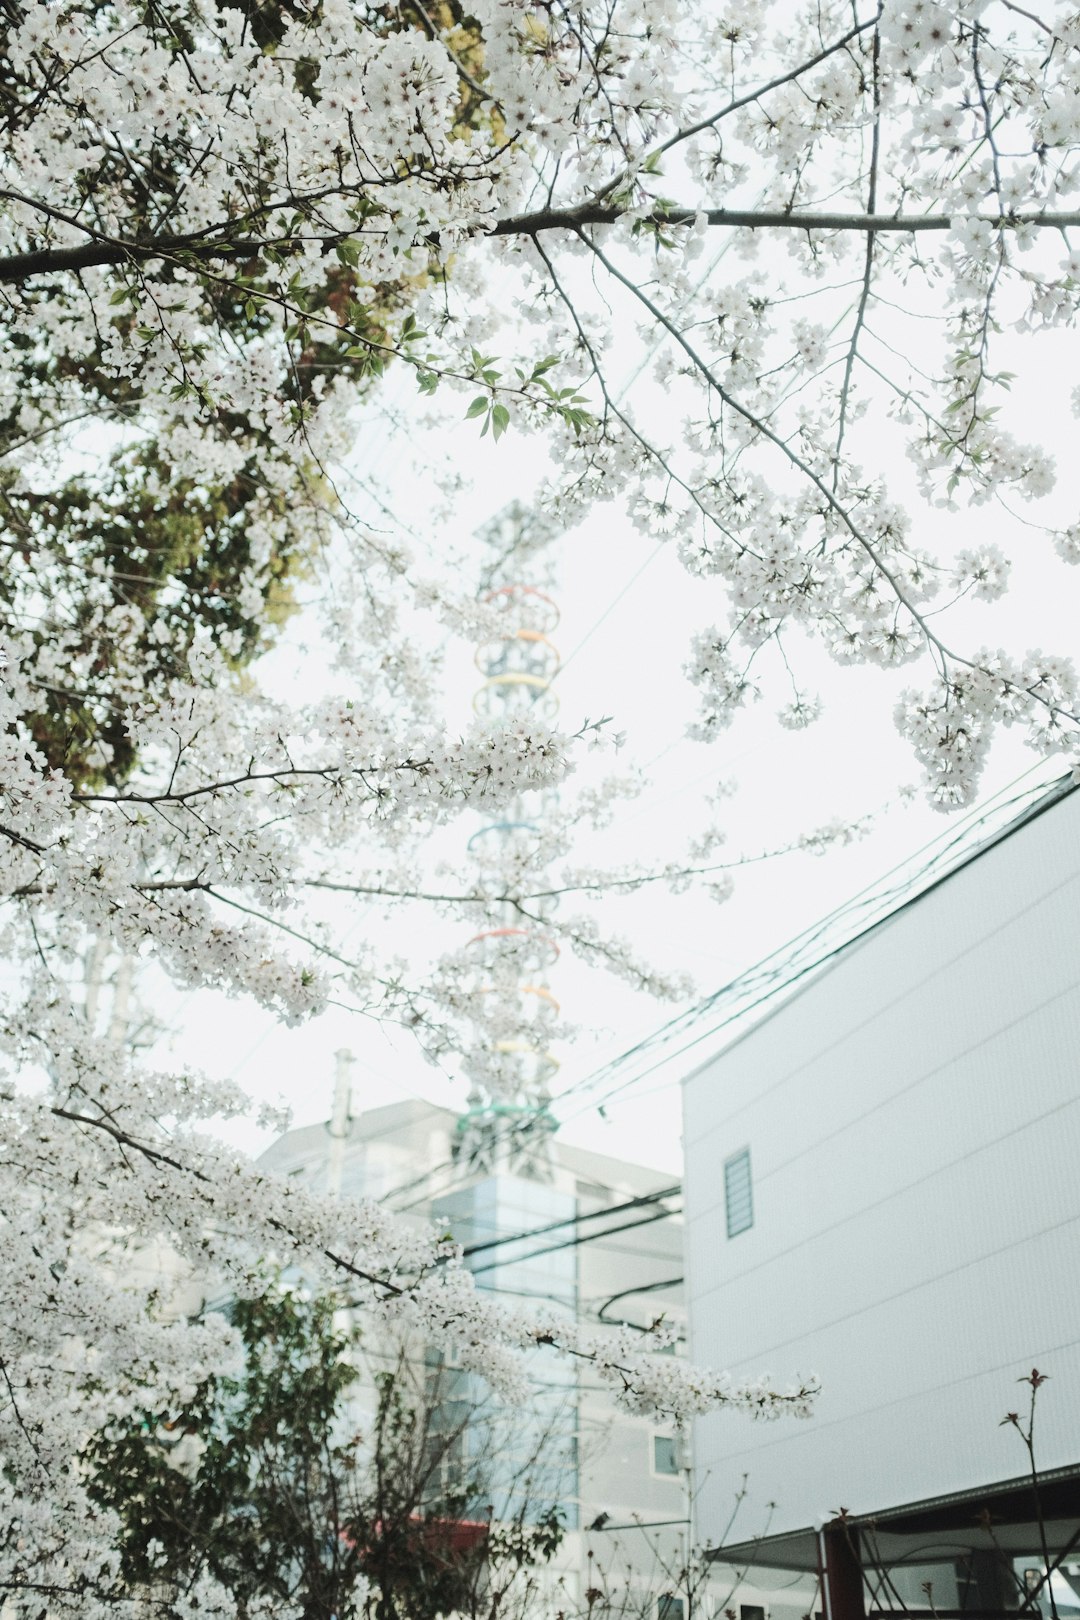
x: 628, y: 613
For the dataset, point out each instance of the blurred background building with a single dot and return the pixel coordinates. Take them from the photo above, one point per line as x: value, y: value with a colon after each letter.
x: 590, y: 1235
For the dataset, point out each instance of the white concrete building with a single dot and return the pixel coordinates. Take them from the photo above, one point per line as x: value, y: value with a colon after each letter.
x: 883, y: 1187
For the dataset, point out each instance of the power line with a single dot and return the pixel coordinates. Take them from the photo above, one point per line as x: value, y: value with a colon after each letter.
x: 643, y: 1288
x: 576, y: 1242
x: 451, y: 1164
x: 575, y: 1220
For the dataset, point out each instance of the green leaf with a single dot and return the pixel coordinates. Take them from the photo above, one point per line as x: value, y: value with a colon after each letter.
x: 500, y: 421
x: 478, y: 406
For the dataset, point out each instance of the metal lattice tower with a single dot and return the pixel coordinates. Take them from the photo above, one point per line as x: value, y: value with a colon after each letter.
x: 508, y: 1123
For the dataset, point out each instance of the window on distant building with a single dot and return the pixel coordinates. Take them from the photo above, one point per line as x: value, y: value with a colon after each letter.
x: 665, y: 1459
x: 751, y: 1611
x: 669, y: 1607
x: 738, y: 1195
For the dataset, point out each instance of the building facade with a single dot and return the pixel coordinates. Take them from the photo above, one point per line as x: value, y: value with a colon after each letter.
x: 883, y: 1188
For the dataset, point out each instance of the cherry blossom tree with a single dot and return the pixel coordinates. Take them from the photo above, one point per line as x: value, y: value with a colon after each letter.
x: 332, y: 1477
x: 219, y: 226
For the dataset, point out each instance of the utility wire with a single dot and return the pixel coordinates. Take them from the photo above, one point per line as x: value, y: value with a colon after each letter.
x: 575, y: 1220
x: 642, y: 1288
x: 576, y: 1242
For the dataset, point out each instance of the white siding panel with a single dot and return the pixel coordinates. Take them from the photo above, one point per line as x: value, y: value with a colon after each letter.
x: 913, y: 1117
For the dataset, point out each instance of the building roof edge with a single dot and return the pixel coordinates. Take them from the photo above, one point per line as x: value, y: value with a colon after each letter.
x: 1054, y: 793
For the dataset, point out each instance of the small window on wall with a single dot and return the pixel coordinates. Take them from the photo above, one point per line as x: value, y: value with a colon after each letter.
x: 738, y: 1193
x: 665, y: 1457
x: 669, y: 1607
x: 751, y: 1611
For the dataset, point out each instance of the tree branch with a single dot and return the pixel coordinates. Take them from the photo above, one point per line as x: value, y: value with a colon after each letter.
x: 555, y: 219
x: 20, y: 267
x: 284, y: 777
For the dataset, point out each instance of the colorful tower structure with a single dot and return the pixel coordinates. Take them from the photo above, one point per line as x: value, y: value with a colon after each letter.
x: 508, y: 1123
x: 508, y: 1180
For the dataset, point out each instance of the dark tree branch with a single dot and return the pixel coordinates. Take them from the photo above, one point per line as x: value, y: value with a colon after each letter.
x: 556, y: 219
x: 20, y: 267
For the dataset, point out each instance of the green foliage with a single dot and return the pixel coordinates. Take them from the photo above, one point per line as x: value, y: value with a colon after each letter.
x: 255, y: 1504
x: 533, y: 386
x: 209, y: 555
x: 192, y: 559
x: 265, y: 1482
x: 172, y: 553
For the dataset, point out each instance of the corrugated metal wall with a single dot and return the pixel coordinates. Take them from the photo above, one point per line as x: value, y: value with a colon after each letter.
x: 913, y: 1120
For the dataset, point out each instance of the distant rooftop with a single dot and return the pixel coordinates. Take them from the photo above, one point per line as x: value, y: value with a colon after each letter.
x: 309, y: 1143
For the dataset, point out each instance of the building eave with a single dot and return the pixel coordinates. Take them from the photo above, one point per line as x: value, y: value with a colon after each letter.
x: 1004, y: 1514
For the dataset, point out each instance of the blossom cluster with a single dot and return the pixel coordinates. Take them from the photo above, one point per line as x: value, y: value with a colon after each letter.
x: 219, y: 226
